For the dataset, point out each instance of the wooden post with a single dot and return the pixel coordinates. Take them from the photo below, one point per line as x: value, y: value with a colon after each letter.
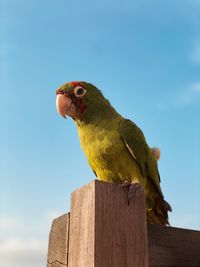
x: 59, y: 242
x: 173, y: 247
x: 104, y: 230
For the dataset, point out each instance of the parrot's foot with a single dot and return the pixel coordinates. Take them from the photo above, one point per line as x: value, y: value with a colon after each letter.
x: 132, y: 188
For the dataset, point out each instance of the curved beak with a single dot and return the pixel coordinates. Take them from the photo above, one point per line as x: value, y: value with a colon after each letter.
x: 63, y: 103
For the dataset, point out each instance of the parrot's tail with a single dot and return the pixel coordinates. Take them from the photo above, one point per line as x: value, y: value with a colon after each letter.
x: 159, y: 213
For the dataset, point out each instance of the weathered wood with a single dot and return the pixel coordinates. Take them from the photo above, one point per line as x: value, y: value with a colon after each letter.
x: 173, y: 247
x: 104, y: 230
x: 58, y: 242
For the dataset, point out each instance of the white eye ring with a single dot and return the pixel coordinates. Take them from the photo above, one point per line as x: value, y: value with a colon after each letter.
x: 79, y: 91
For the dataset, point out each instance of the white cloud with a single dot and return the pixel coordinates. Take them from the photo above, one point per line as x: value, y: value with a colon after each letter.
x: 8, y: 223
x: 22, y: 226
x: 12, y: 225
x: 23, y: 243
x: 17, y: 252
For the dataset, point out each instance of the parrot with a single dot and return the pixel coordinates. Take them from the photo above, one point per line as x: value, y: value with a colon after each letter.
x: 115, y: 147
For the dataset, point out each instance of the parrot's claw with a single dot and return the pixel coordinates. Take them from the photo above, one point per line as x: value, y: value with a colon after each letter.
x: 132, y: 188
x: 126, y: 184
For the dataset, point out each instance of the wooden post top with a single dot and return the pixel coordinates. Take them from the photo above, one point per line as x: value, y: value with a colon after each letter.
x: 106, y: 230
x: 103, y: 230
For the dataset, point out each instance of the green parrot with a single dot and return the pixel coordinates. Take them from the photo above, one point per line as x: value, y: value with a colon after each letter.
x: 115, y: 147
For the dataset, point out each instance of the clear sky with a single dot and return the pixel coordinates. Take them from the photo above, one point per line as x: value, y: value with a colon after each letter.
x: 143, y: 55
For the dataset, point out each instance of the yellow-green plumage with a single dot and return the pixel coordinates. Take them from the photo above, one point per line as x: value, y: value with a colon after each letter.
x: 116, y: 149
x: 106, y: 152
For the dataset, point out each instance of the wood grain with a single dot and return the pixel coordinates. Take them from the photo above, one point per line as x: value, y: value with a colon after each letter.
x: 81, y: 240
x: 173, y: 247
x: 58, y: 242
x: 104, y: 230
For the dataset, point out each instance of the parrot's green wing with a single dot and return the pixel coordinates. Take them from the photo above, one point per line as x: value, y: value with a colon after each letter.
x: 138, y: 148
x: 157, y: 207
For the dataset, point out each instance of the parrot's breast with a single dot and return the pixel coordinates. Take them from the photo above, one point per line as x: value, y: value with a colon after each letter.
x: 108, y: 155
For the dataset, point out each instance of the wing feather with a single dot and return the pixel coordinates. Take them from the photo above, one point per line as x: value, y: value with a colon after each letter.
x: 138, y: 148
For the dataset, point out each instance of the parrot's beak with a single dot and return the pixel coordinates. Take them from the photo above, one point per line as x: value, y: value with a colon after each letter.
x: 63, y: 104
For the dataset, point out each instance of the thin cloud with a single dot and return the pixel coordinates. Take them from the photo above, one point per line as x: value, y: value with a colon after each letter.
x: 17, y: 247
x: 196, y: 87
x: 190, y: 95
x: 13, y: 224
x: 8, y: 223
x: 21, y: 245
x: 195, y: 55
x: 181, y: 98
x: 23, y: 252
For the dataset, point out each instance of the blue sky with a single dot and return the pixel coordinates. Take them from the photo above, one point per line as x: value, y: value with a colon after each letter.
x: 143, y: 55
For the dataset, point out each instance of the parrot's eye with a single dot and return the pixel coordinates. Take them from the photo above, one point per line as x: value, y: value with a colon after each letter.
x: 79, y: 91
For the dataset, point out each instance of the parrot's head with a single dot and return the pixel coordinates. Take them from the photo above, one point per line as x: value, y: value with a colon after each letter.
x: 81, y: 101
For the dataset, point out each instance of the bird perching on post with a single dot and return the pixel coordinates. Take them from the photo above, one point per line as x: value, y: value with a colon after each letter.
x: 115, y: 147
